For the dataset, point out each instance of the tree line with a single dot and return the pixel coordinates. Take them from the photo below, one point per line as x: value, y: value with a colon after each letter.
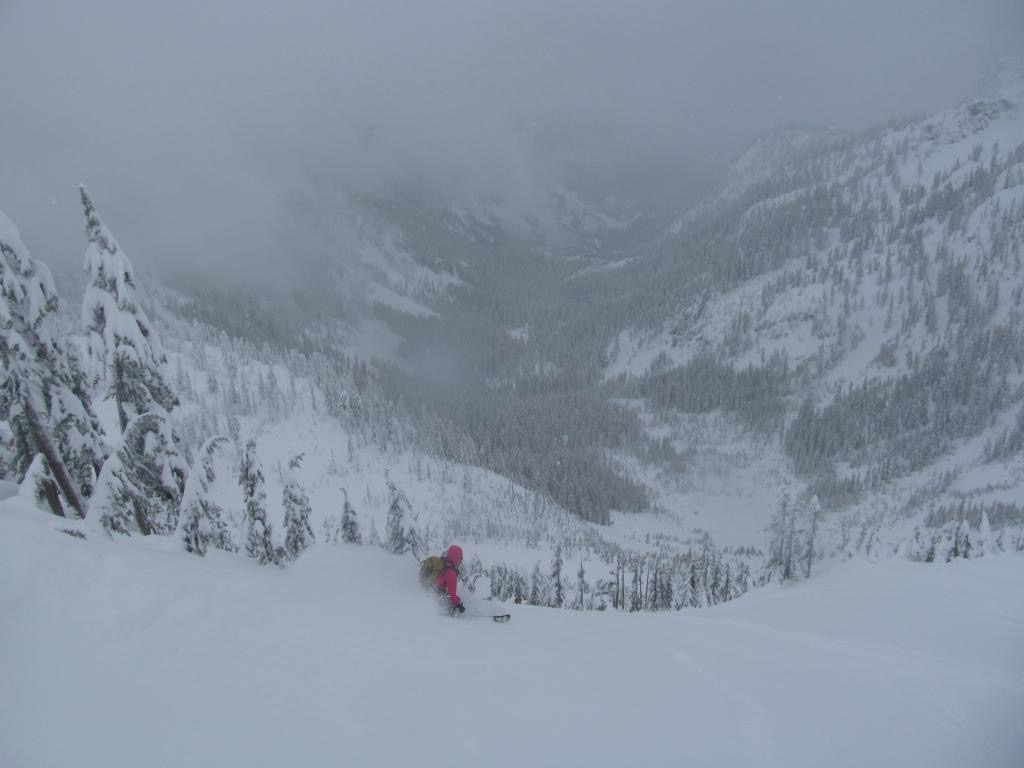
x: 138, y: 480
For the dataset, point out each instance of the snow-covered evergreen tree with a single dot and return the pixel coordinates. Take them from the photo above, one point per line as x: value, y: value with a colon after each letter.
x: 124, y: 350
x: 258, y: 536
x: 636, y: 595
x: 75, y: 425
x: 695, y: 585
x: 665, y: 592
x: 349, y: 523
x: 557, y: 589
x: 298, y: 534
x: 537, y: 596
x: 813, y: 518
x: 140, y: 485
x: 202, y: 522
x: 715, y: 580
x: 398, y: 505
x: 682, y: 594
x: 7, y: 450
x: 582, y: 588
x: 985, y: 542
x: 41, y: 394
x: 782, y: 557
x: 474, y: 576
x: 415, y: 542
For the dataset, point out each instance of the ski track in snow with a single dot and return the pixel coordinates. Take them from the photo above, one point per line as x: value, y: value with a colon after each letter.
x: 762, y: 750
x: 945, y: 721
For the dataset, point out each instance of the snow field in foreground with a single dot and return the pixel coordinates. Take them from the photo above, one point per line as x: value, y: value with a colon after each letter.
x: 131, y: 653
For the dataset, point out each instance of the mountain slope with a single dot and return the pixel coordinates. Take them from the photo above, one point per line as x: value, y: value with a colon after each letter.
x: 131, y: 653
x: 859, y: 296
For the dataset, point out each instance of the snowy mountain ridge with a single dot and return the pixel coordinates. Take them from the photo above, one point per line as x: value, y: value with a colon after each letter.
x: 873, y: 267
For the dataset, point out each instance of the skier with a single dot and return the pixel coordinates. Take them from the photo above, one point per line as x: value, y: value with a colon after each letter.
x: 441, y: 574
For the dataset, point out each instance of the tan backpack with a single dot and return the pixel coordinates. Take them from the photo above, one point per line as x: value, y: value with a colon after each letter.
x: 430, y: 570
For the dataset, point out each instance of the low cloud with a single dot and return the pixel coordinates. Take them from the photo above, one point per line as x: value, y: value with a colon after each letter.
x: 198, y: 125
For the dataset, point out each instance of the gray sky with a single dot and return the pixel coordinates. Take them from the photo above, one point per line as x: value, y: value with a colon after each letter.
x: 196, y: 124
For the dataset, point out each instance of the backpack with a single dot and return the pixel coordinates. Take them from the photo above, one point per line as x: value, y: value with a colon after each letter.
x: 430, y: 569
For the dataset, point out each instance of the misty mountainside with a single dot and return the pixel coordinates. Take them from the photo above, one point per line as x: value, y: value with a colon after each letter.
x: 860, y: 299
x: 823, y: 358
x: 841, y: 321
x: 470, y: 312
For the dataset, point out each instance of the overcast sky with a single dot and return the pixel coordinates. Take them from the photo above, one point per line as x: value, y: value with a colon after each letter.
x: 195, y: 122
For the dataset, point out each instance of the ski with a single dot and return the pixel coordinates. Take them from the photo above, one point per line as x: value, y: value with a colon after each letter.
x: 500, y: 618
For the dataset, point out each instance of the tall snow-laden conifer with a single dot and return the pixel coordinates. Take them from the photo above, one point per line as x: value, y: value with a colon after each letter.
x: 140, y: 486
x: 349, y: 524
x: 203, y: 522
x: 636, y: 597
x: 984, y: 535
x: 782, y: 554
x: 298, y: 534
x: 557, y: 589
x: 398, y: 505
x: 415, y: 542
x: 682, y: 594
x: 41, y: 393
x: 259, y: 541
x: 814, y: 516
x: 537, y: 585
x: 124, y: 350
x: 582, y: 588
x: 7, y: 450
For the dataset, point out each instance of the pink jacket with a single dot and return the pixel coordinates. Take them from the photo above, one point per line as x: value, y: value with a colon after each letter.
x: 448, y: 580
x: 447, y: 583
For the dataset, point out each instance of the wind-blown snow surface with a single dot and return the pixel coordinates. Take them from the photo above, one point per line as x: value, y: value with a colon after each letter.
x: 130, y: 653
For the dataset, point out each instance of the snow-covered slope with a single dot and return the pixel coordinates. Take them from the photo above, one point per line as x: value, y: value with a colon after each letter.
x: 133, y: 653
x: 879, y: 267
x: 969, y: 156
